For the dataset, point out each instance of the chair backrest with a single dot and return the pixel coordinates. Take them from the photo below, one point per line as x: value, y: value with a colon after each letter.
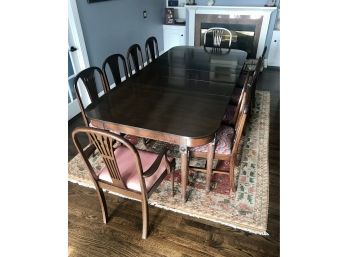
x: 253, y: 80
x: 88, y: 78
x: 112, y: 63
x: 239, y: 105
x: 258, y: 69
x: 133, y: 53
x: 241, y: 122
x: 263, y: 58
x: 217, y: 36
x: 151, y: 47
x: 106, y: 143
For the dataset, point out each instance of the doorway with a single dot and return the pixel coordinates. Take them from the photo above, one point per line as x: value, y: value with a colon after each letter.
x: 77, y: 58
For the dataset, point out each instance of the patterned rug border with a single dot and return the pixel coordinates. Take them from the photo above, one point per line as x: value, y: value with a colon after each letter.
x: 264, y: 194
x: 265, y: 162
x: 242, y: 227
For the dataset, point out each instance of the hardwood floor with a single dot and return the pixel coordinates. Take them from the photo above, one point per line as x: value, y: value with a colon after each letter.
x: 171, y: 234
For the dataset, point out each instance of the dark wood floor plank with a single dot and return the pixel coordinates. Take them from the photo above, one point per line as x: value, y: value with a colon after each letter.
x: 171, y: 234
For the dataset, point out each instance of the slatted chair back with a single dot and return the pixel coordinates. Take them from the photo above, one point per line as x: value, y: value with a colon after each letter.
x: 151, y: 49
x: 123, y: 172
x: 216, y: 37
x: 106, y: 143
x: 253, y: 81
x: 112, y: 63
x: 240, y: 124
x: 239, y: 104
x: 89, y: 82
x: 242, y: 114
x: 133, y: 54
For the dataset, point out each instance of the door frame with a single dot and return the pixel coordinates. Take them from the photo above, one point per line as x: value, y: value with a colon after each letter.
x: 79, y: 57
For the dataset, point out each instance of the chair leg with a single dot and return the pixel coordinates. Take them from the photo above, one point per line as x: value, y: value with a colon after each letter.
x: 209, y: 166
x: 170, y: 169
x: 172, y: 180
x: 238, y: 161
x: 103, y: 205
x: 232, y: 186
x: 145, y: 214
x: 184, y: 171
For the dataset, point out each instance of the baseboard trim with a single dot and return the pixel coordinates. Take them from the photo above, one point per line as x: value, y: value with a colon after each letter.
x: 273, y: 68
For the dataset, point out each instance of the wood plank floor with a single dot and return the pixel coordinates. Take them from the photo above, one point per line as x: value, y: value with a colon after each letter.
x: 171, y: 234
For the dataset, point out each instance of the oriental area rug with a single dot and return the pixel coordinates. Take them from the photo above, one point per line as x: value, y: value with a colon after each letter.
x: 246, y: 209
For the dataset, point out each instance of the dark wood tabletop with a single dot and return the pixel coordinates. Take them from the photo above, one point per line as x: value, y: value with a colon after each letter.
x: 179, y: 98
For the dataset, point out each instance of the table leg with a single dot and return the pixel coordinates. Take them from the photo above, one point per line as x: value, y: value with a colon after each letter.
x: 184, y: 162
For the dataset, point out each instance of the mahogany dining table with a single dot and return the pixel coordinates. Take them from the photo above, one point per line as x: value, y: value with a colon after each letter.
x: 179, y: 98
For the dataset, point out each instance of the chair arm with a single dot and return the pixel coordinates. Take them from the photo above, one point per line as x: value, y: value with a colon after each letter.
x: 156, y: 164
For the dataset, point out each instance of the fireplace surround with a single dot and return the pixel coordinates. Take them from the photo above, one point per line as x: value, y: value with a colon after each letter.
x: 244, y: 28
x: 247, y: 21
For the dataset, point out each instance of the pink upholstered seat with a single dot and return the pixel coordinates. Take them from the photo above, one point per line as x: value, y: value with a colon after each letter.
x: 229, y: 113
x: 223, y: 142
x: 124, y: 165
x: 127, y: 166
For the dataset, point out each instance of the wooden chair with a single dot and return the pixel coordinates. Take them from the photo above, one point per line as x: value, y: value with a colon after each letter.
x: 133, y: 53
x: 151, y: 49
x: 88, y: 78
x: 255, y: 78
x: 250, y: 64
x: 255, y: 72
x: 224, y: 147
x: 263, y: 57
x: 129, y: 172
x: 231, y: 114
x: 112, y: 63
x: 216, y: 38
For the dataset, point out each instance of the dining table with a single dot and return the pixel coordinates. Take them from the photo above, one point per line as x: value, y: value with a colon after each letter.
x: 179, y: 98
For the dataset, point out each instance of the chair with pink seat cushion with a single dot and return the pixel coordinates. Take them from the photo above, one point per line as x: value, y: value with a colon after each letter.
x: 224, y: 146
x: 132, y: 173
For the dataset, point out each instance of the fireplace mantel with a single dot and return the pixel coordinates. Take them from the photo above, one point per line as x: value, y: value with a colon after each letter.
x: 253, y: 8
x: 230, y: 10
